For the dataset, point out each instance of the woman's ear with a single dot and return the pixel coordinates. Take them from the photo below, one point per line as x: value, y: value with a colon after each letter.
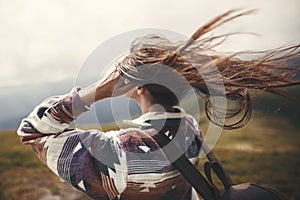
x: 140, y: 90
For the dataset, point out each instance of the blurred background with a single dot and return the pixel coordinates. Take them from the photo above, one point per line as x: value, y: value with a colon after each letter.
x: 44, y: 45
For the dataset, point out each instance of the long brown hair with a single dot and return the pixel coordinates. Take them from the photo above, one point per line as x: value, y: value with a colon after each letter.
x: 241, y: 77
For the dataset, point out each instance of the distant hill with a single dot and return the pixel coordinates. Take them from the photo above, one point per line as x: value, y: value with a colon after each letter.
x: 18, y: 102
x: 270, y: 104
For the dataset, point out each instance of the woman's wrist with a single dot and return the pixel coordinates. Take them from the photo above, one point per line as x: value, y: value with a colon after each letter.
x: 94, y: 93
x: 103, y: 89
x: 87, y: 95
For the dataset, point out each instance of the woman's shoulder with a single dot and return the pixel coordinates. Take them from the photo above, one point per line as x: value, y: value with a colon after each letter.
x: 136, y: 140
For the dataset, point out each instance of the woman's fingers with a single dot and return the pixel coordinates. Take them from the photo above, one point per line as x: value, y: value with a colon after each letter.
x: 112, y: 85
x: 121, y: 87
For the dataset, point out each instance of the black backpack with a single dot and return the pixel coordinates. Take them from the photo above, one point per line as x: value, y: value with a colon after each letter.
x: 205, y: 186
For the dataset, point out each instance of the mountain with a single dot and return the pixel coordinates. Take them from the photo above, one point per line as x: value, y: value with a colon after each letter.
x: 17, y: 102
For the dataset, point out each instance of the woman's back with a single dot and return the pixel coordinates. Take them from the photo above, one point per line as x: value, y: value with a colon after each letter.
x: 123, y: 164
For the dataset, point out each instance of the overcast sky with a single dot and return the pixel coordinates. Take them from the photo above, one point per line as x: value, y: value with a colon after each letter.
x: 47, y: 41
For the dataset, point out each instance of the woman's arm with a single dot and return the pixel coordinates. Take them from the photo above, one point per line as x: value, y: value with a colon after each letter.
x: 70, y: 153
x: 110, y: 85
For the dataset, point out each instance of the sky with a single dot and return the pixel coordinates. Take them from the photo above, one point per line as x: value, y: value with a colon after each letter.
x: 48, y: 41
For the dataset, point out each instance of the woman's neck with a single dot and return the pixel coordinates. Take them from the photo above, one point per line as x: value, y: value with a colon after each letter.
x: 160, y: 108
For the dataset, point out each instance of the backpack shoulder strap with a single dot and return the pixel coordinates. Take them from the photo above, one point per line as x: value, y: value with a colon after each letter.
x: 215, y: 165
x: 185, y: 167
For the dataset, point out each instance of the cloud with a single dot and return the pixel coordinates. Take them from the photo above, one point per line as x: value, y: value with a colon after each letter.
x: 49, y: 40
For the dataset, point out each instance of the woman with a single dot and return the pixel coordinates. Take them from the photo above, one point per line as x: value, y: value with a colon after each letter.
x: 128, y: 163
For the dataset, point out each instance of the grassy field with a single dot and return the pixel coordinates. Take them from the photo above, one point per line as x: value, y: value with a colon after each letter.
x: 24, y: 177
x: 260, y: 152
x: 264, y: 154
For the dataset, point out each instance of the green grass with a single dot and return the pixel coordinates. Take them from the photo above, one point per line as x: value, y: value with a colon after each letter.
x: 266, y: 152
x: 23, y: 176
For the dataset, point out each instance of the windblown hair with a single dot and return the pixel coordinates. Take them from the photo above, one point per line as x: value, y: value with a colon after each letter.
x: 203, y: 67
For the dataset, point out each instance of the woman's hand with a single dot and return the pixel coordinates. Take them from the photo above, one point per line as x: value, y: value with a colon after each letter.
x: 110, y: 85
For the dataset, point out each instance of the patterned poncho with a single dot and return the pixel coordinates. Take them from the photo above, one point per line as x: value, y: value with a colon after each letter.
x: 123, y: 164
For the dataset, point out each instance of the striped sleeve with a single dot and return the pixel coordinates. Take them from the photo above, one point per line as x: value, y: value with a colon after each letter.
x: 89, y: 160
x: 53, y: 115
